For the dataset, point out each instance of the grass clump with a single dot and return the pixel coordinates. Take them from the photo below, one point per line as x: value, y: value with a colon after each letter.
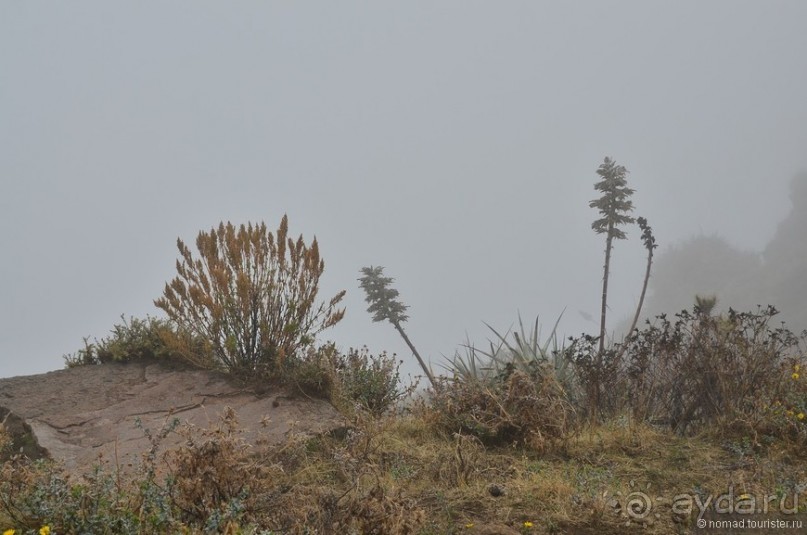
x: 515, y: 407
x: 518, y: 391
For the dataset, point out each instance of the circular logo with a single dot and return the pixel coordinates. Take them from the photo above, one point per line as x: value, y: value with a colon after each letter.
x: 637, y: 505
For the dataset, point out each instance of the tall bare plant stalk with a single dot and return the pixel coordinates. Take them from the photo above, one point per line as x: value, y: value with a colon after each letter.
x: 614, y: 206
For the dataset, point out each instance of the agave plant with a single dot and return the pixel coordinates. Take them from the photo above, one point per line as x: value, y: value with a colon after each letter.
x: 515, y: 349
x: 475, y: 364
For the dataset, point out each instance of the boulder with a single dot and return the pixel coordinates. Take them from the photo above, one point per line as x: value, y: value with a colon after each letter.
x: 103, y: 414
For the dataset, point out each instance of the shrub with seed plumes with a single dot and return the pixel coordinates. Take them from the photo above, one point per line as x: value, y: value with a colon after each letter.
x: 251, y: 295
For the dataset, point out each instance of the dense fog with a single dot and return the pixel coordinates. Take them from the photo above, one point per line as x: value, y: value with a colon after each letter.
x: 743, y: 279
x: 454, y: 143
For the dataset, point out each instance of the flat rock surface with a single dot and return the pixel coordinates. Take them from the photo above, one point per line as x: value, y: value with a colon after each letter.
x: 90, y: 414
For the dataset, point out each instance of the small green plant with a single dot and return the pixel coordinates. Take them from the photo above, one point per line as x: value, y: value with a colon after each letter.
x: 371, y: 381
x: 357, y: 379
x: 251, y: 294
x: 82, y: 357
x: 130, y: 340
x: 34, y: 494
x: 384, y: 305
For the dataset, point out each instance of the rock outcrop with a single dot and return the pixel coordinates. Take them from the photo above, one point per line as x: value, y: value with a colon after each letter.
x: 97, y: 414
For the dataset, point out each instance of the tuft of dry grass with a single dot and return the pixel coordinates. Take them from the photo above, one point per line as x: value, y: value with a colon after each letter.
x: 529, y: 408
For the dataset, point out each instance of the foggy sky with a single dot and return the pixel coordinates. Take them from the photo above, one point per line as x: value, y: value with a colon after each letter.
x: 454, y: 143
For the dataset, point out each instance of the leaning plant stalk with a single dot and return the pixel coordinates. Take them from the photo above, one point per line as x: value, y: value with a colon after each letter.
x: 650, y: 244
x: 426, y: 369
x: 384, y: 305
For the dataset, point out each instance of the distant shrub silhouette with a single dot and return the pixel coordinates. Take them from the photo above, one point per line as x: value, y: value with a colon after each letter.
x: 705, y: 265
x: 251, y: 295
x: 785, y: 259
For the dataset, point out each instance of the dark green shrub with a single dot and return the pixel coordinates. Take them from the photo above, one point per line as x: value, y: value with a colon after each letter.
x: 600, y: 376
x: 704, y: 370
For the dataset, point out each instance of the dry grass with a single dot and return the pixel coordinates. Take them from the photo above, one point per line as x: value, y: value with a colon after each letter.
x: 426, y: 482
x: 398, y: 475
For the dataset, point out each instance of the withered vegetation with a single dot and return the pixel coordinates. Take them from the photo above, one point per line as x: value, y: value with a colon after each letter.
x: 251, y: 295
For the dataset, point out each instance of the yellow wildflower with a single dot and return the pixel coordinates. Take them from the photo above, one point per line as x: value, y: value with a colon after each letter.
x: 9, y: 532
x: 800, y: 416
x: 527, y: 524
x: 44, y: 530
x: 469, y: 525
x: 795, y: 376
x: 789, y: 413
x: 796, y: 368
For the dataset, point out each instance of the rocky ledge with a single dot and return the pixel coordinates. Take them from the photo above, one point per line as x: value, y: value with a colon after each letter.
x: 97, y: 414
